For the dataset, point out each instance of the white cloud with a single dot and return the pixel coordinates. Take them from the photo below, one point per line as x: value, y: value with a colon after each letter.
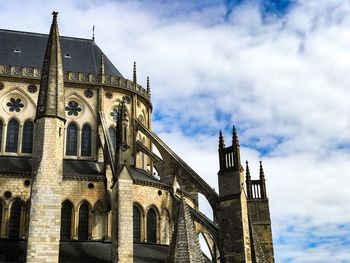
x: 284, y: 83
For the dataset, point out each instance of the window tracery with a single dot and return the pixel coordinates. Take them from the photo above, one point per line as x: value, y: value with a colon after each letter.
x: 73, y: 108
x: 15, y: 105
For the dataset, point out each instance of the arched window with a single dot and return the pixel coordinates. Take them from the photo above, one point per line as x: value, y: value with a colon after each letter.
x: 72, y: 140
x: 136, y: 224
x: 66, y: 220
x: 15, y: 219
x: 12, y: 136
x: 27, y: 140
x: 151, y: 226
x: 83, y: 227
x: 113, y: 134
x: 86, y: 141
x: 1, y: 128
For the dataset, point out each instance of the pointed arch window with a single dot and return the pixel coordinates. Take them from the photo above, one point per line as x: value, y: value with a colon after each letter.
x: 113, y: 134
x: 1, y: 128
x: 12, y: 136
x: 83, y: 227
x: 72, y: 140
x: 27, y: 140
x: 136, y: 224
x: 86, y: 140
x: 151, y: 226
x: 66, y: 220
x: 15, y: 219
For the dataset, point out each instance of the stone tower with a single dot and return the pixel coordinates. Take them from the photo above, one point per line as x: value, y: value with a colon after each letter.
x: 45, y: 211
x: 259, y: 216
x: 232, y: 214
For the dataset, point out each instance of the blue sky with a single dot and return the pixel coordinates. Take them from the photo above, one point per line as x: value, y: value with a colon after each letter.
x: 278, y: 70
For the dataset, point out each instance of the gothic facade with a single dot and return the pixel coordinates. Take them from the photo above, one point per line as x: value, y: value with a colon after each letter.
x: 80, y: 182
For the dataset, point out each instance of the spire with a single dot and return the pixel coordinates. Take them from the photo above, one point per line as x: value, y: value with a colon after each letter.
x: 262, y: 181
x: 93, y: 33
x: 261, y: 172
x: 248, y: 180
x: 134, y: 78
x: 51, y: 94
x: 221, y: 141
x: 148, y: 87
x: 235, y: 141
x: 184, y: 245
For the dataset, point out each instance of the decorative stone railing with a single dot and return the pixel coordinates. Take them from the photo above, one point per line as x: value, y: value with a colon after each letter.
x: 78, y: 77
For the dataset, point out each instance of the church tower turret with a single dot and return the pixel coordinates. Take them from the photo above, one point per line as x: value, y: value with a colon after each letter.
x: 45, y: 211
x: 232, y: 214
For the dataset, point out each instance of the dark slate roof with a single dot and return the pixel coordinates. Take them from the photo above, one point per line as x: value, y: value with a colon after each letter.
x: 23, y: 166
x: 85, y: 54
x: 13, y: 250
x: 142, y: 175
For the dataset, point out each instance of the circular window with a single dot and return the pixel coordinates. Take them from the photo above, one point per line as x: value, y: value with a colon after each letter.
x: 159, y: 192
x: 32, y: 88
x: 91, y: 185
x: 15, y: 105
x: 73, y: 108
x: 1, y: 86
x: 109, y: 95
x: 7, y: 194
x: 88, y: 93
x: 26, y: 183
x: 127, y: 99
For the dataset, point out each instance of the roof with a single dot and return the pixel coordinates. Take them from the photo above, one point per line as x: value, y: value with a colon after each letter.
x: 84, y: 54
x: 73, y: 251
x: 142, y: 175
x: 10, y: 165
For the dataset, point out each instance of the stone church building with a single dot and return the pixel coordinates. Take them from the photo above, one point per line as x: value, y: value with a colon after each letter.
x: 80, y: 180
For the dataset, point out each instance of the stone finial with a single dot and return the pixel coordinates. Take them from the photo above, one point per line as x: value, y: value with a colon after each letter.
x: 148, y: 87
x: 221, y: 141
x: 235, y: 141
x: 51, y: 93
x: 247, y: 172
x: 134, y: 77
x: 102, y: 64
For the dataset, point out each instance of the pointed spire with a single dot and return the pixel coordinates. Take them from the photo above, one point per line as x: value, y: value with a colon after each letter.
x: 247, y: 172
x: 148, y: 87
x: 134, y: 78
x: 93, y: 33
x: 261, y: 172
x: 221, y: 141
x: 184, y: 245
x: 235, y: 141
x: 248, y: 180
x: 51, y: 93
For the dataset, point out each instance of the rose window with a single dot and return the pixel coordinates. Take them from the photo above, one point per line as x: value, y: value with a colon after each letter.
x: 88, y: 93
x: 73, y: 108
x: 15, y: 105
x: 32, y: 88
x: 109, y: 95
x: 114, y: 114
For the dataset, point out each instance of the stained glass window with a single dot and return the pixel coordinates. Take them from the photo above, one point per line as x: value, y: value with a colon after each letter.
x: 1, y: 128
x: 72, y: 140
x: 113, y: 134
x: 27, y: 140
x: 12, y: 136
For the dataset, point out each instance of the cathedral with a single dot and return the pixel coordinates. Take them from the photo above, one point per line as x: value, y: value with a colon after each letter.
x: 83, y: 178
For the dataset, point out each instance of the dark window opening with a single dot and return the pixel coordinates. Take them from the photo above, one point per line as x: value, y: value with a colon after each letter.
x: 15, y: 219
x: 66, y: 220
x: 27, y: 140
x: 136, y: 224
x: 12, y: 136
x: 1, y: 208
x: 151, y: 226
x: 1, y: 128
x: 86, y: 141
x: 72, y: 140
x: 113, y: 134
x: 83, y: 227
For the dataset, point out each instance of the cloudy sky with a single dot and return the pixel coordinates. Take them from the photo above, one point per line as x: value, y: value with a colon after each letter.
x: 277, y: 69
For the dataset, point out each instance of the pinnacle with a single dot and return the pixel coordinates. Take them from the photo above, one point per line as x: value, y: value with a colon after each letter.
x: 235, y: 140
